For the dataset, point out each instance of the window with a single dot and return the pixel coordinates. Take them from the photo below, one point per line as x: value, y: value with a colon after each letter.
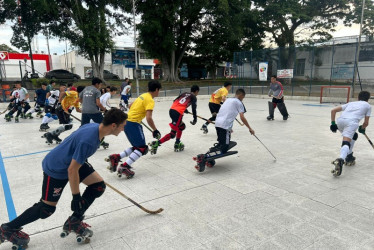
x: 300, y: 67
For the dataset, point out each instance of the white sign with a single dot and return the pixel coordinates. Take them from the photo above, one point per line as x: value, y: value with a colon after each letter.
x: 263, y: 71
x: 4, y: 55
x: 285, y: 73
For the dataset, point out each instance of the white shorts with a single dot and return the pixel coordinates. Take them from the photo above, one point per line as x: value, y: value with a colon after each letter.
x: 347, y: 127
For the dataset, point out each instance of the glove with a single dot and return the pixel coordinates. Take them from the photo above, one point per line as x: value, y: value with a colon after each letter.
x: 70, y: 110
x: 46, y: 102
x: 361, y: 130
x: 156, y: 134
x: 186, y: 111
x: 194, y: 121
x: 78, y: 204
x: 333, y: 127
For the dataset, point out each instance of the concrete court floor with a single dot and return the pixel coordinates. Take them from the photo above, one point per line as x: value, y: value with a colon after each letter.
x: 247, y: 201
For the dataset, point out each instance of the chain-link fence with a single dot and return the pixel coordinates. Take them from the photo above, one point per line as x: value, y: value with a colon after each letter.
x: 330, y: 63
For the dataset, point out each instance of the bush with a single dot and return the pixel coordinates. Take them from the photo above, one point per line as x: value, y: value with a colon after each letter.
x: 37, y: 83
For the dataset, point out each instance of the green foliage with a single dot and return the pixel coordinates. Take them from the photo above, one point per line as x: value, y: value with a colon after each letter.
x: 4, y: 47
x: 37, y: 83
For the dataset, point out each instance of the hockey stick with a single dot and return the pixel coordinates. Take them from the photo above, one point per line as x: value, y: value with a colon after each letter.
x: 147, y: 127
x: 76, y: 118
x: 202, y: 118
x: 133, y: 202
x: 275, y: 159
x: 3, y: 111
x: 367, y: 137
x: 241, y: 124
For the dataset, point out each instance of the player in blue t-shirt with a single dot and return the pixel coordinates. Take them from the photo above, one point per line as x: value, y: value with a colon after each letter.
x: 68, y: 163
x: 39, y: 101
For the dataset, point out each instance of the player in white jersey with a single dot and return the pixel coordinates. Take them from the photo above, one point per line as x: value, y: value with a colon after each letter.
x: 21, y: 101
x: 104, y: 99
x: 347, y: 124
x: 125, y: 96
x: 50, y: 107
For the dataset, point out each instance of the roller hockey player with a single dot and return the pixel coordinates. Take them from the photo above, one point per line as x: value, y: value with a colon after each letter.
x: 276, y: 90
x: 50, y: 107
x: 68, y: 163
x: 347, y: 124
x: 179, y: 107
x: 63, y: 111
x: 224, y: 122
x: 39, y: 102
x: 141, y: 107
x: 21, y: 101
x: 91, y: 106
x: 218, y: 97
x: 125, y: 96
x: 104, y: 99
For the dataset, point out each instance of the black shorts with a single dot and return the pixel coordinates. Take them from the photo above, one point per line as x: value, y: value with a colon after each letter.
x: 223, y: 138
x: 275, y: 100
x: 50, y: 109
x: 52, y: 188
x: 176, y: 118
x: 63, y: 117
x: 214, y: 108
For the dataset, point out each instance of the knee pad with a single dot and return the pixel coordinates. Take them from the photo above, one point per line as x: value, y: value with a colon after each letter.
x: 45, y: 210
x: 182, y: 126
x: 68, y: 126
x: 143, y: 149
x: 95, y: 190
x: 172, y: 134
x: 173, y: 127
x: 346, y: 143
x: 54, y: 117
x: 48, y: 115
x: 355, y: 136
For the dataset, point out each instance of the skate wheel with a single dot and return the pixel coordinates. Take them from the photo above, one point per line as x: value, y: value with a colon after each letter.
x: 16, y: 247
x: 82, y: 239
x: 106, y: 159
x: 194, y: 158
x: 332, y: 171
x: 64, y: 234
x: 119, y: 175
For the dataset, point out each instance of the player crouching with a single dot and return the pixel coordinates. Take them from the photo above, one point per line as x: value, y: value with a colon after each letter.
x: 224, y: 122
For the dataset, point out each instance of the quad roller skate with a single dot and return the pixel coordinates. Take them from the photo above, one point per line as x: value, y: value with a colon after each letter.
x: 113, y: 162
x: 16, y: 236
x: 126, y: 170
x: 80, y: 228
x: 338, y: 167
x: 204, y: 128
x: 104, y: 144
x: 23, y: 116
x: 39, y: 114
x: 200, y: 160
x: 350, y: 160
x: 56, y: 138
x: 270, y: 118
x: 16, y: 119
x: 153, y: 147
x: 44, y: 127
x: 49, y: 138
x: 178, y: 147
x: 8, y: 118
x: 29, y: 115
x: 210, y: 163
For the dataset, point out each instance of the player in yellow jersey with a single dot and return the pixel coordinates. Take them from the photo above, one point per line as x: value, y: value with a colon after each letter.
x: 141, y: 108
x: 63, y: 111
x: 217, y: 98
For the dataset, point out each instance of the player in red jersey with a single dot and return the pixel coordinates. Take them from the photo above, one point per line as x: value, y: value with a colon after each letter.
x: 179, y: 107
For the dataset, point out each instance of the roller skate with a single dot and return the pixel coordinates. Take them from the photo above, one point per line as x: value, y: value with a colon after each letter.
x: 153, y: 147
x: 29, y: 115
x: 210, y: 163
x: 204, y: 128
x: 56, y: 138
x: 126, y: 170
x: 80, y: 228
x: 270, y: 118
x: 178, y: 147
x: 44, y: 127
x: 49, y: 138
x: 350, y: 160
x: 23, y: 116
x: 104, y: 144
x: 8, y: 118
x: 285, y: 118
x: 200, y: 160
x: 16, y: 119
x: 113, y: 162
x: 338, y: 167
x: 39, y: 114
x: 16, y: 236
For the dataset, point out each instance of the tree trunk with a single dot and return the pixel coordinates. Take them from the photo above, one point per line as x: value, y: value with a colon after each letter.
x: 170, y: 69
x: 97, y: 64
x: 31, y: 58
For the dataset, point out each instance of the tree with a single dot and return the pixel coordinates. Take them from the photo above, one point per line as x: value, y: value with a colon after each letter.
x: 4, y: 47
x: 89, y: 26
x: 166, y: 30
x: 290, y: 22
x: 225, y: 30
x: 354, y: 16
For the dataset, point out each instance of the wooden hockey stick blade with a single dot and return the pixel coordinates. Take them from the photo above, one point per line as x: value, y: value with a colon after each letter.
x: 147, y: 127
x: 202, y: 118
x: 367, y: 137
x: 135, y: 203
x: 241, y: 124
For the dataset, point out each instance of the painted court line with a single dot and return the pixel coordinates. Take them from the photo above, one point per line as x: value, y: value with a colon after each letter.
x: 39, y: 152
x: 8, y: 196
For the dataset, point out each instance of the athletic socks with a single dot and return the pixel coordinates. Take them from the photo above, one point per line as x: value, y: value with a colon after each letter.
x: 344, y: 150
x: 179, y: 134
x: 126, y: 152
x: 45, y: 119
x: 134, y: 156
x: 351, y: 148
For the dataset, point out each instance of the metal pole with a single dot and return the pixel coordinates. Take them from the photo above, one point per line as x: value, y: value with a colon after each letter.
x: 49, y: 52
x: 358, y: 51
x: 136, y: 50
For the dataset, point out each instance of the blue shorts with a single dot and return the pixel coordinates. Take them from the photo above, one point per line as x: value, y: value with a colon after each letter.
x: 124, y: 97
x: 134, y: 133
